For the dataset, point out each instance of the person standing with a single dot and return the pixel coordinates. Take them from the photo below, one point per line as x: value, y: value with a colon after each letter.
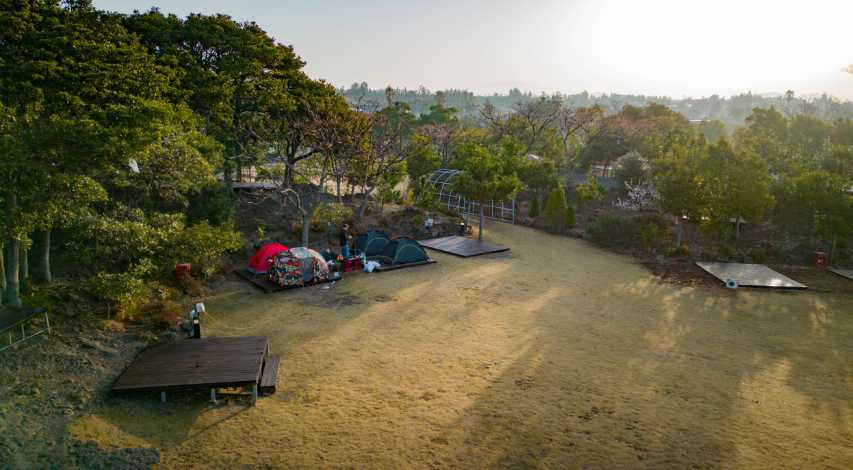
x: 344, y: 240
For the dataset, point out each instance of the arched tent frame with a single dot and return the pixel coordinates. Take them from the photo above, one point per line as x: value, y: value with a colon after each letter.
x: 442, y: 181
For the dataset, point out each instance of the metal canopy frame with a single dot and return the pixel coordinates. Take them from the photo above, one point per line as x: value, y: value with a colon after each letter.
x: 442, y: 181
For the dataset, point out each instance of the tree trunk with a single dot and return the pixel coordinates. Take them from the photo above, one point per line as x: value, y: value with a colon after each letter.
x: 482, y: 222
x: 11, y: 294
x: 24, y: 266
x: 306, y: 227
x: 41, y: 263
x: 338, y: 189
x: 239, y: 170
x: 737, y: 228
x: 679, y: 232
x: 2, y: 267
x: 12, y: 290
x: 364, y: 201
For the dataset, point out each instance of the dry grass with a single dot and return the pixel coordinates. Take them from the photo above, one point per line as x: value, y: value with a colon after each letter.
x: 556, y: 355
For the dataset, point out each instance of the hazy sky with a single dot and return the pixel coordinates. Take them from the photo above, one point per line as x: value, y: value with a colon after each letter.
x: 659, y: 47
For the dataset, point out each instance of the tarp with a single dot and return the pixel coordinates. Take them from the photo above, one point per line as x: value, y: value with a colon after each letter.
x: 259, y: 263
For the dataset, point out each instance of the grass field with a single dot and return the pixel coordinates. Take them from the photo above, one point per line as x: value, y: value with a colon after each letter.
x: 556, y: 355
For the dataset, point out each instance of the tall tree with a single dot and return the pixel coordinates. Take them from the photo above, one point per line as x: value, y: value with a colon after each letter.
x: 486, y: 176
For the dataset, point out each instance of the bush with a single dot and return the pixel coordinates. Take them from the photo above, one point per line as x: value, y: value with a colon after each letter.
x: 214, y: 203
x: 334, y: 214
x: 559, y: 217
x: 680, y: 251
x: 534, y: 207
x: 590, y: 190
x: 203, y: 245
x: 124, y: 293
x: 625, y: 232
x: 652, y: 235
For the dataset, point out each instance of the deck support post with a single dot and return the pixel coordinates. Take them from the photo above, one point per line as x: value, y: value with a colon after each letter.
x: 254, y: 394
x: 213, y: 395
x: 162, y: 397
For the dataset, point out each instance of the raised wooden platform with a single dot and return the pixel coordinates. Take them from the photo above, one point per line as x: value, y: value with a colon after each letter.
x: 196, y: 363
x: 269, y: 376
x: 845, y: 273
x: 750, y: 275
x: 392, y: 267
x: 14, y: 323
x: 462, y: 246
x: 260, y: 281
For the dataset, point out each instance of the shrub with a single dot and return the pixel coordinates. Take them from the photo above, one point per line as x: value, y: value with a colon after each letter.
x: 214, y: 203
x: 570, y: 216
x: 590, y: 190
x: 624, y: 232
x: 335, y: 214
x: 124, y: 293
x: 534, y: 207
x: 680, y: 251
x: 611, y: 230
x: 203, y: 245
x: 558, y: 215
x: 651, y: 234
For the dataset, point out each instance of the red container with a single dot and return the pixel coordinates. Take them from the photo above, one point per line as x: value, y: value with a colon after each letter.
x: 183, y: 269
x: 820, y: 259
x: 352, y: 264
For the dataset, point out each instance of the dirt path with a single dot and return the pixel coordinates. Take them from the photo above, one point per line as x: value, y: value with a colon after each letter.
x: 556, y: 355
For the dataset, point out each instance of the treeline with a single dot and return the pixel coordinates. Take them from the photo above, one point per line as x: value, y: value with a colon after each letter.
x: 732, y: 111
x: 115, y: 134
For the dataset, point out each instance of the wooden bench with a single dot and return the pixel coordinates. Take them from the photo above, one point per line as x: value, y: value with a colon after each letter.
x: 269, y: 377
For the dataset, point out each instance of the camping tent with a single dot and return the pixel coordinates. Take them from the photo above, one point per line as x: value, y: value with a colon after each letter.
x: 371, y: 243
x: 297, y: 267
x: 259, y: 263
x: 402, y: 250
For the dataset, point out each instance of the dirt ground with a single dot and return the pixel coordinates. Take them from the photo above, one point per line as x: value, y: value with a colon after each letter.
x: 555, y: 355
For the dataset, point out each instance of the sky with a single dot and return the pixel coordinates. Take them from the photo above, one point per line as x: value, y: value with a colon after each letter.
x: 676, y: 48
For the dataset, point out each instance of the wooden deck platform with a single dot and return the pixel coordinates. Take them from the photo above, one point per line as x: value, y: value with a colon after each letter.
x: 845, y: 273
x: 392, y: 267
x: 750, y: 275
x: 269, y: 376
x: 260, y: 281
x: 462, y: 246
x: 196, y: 363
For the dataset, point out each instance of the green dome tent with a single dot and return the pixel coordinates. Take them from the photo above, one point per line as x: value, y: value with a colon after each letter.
x: 371, y: 243
x: 402, y: 250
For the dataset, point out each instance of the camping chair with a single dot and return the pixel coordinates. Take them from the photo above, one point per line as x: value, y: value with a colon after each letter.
x: 10, y: 323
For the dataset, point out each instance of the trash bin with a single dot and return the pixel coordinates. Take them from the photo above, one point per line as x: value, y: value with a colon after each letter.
x: 820, y: 259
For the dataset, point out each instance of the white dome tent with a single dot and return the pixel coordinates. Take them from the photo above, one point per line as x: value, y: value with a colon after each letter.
x: 442, y: 181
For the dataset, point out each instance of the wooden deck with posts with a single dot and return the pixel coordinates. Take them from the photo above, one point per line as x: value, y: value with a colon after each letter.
x: 229, y: 362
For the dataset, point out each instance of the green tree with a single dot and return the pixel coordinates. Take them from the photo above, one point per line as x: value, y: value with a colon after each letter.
x: 486, y: 177
x: 735, y: 186
x: 676, y: 176
x: 424, y: 160
x: 590, y: 189
x: 81, y: 95
x: 559, y: 216
x: 819, y: 202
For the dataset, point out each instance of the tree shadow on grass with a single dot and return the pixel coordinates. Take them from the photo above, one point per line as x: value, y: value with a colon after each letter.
x: 674, y: 378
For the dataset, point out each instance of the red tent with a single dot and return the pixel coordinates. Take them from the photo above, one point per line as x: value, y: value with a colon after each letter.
x: 258, y: 264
